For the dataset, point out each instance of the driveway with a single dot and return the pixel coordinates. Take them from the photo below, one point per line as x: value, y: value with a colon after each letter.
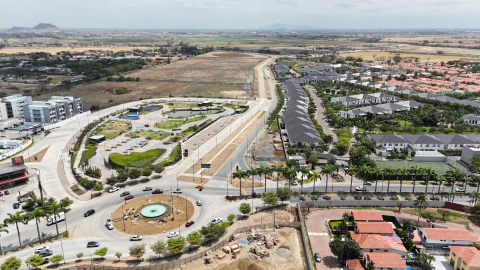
x: 319, y: 115
x: 441, y: 263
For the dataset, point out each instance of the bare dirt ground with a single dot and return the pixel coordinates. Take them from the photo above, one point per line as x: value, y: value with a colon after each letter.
x: 422, y: 57
x: 433, y: 50
x: 54, y: 50
x: 183, y: 211
x: 231, y: 55
x: 38, y: 155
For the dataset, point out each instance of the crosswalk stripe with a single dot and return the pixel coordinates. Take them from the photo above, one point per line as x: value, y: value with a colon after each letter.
x: 310, y: 233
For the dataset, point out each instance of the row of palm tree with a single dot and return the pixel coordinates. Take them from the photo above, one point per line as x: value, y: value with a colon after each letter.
x: 49, y: 209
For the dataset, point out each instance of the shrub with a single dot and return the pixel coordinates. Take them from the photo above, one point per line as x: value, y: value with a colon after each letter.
x: 393, y: 198
x: 408, y: 198
x: 301, y: 198
x: 327, y: 198
x: 343, y: 198
x: 314, y: 198
x: 380, y: 197
x: 357, y: 197
x: 368, y: 197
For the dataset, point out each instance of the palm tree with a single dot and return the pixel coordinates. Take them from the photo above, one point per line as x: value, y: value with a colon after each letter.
x: 253, y: 172
x: 305, y: 171
x: 53, y: 210
x: 290, y: 173
x: 415, y: 170
x: 377, y: 171
x: 428, y: 172
x: 440, y: 180
x: 351, y: 170
x: 240, y: 174
x: 388, y: 171
x: 278, y: 169
x: 66, y: 202
x: 15, y: 219
x: 327, y: 170
x: 37, y: 214
x: 403, y: 172
x: 266, y: 171
x: 467, y: 179
x: 2, y: 229
x: 314, y: 176
x: 453, y: 176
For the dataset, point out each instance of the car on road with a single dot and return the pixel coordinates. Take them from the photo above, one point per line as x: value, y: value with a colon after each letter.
x: 317, y: 257
x: 24, y: 199
x: 147, y: 188
x: 190, y: 223
x: 7, y: 192
x: 16, y: 205
x: 109, y: 225
x: 178, y: 190
x: 135, y: 238
x: 93, y: 244
x: 217, y: 220
x: 337, y: 176
x: 460, y: 189
x: 89, y: 213
x: 157, y: 191
x: 113, y: 189
x: 1, y: 194
x: 38, y: 249
x: 199, y: 186
x: 129, y: 197
x: 172, y: 234
x: 126, y: 193
x: 45, y: 253
x: 45, y: 261
x: 199, y: 203
x: 361, y: 189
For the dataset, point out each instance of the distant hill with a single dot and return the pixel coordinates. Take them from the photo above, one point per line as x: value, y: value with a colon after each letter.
x: 41, y: 27
x: 278, y: 26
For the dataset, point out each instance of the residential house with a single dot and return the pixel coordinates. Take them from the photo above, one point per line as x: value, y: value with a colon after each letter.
x: 366, y: 215
x: 380, y: 228
x: 363, y: 99
x: 375, y: 110
x: 440, y: 238
x: 281, y: 69
x: 472, y: 119
x: 454, y: 141
x: 464, y: 258
x: 385, y: 261
x: 386, y: 143
x: 376, y: 243
x: 423, y: 142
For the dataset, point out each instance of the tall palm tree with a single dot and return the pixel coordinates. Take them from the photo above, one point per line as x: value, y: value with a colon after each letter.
x: 351, y: 170
x: 453, y: 176
x: 240, y: 174
x: 389, y: 171
x: 53, y: 210
x: 290, y: 173
x: 37, y: 214
x: 253, y: 172
x: 377, y: 171
x: 401, y: 171
x: 2, y: 229
x: 305, y: 171
x: 415, y: 170
x: 278, y: 169
x: 466, y: 179
x: 428, y: 172
x: 267, y: 171
x: 314, y: 176
x: 440, y: 180
x: 15, y: 219
x: 66, y: 202
x: 327, y: 170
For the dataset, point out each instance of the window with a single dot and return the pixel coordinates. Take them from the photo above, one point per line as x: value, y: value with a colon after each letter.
x: 371, y: 250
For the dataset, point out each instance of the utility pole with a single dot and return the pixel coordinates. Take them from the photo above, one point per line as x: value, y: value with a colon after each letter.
x: 40, y: 185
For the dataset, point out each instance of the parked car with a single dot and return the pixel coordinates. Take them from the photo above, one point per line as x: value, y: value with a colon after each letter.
x: 109, y: 225
x: 45, y: 261
x: 157, y: 191
x: 129, y: 197
x: 460, y: 189
x: 199, y: 203
x: 135, y: 238
x: 172, y: 234
x: 217, y: 220
x: 178, y: 190
x: 113, y: 189
x: 199, y: 186
x: 89, y: 213
x: 190, y: 223
x: 317, y: 257
x: 16, y: 205
x: 7, y: 192
x: 147, y: 188
x: 38, y: 249
x: 45, y: 253
x: 93, y: 244
x: 368, y: 183
x: 337, y: 176
x: 24, y: 199
x: 360, y: 189
x: 126, y: 193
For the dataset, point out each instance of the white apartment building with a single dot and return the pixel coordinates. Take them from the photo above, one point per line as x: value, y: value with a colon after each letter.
x: 14, y: 105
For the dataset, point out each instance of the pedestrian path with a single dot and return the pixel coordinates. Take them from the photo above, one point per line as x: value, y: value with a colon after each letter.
x: 311, y: 233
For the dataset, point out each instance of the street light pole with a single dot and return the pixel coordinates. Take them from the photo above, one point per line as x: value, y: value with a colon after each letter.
x: 40, y: 185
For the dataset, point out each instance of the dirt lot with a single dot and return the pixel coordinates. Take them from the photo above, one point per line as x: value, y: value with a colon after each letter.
x: 231, y: 55
x: 38, y: 155
x: 141, y: 225
x: 423, y: 57
x: 54, y: 50
x: 290, y: 239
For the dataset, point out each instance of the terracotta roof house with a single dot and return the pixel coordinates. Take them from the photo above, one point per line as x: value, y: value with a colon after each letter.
x: 377, y: 243
x: 382, y: 228
x: 439, y: 238
x: 465, y: 258
x: 355, y: 264
x: 385, y: 260
x: 366, y: 215
x: 396, y: 244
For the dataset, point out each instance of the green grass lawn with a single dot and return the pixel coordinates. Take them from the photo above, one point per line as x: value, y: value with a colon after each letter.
x: 112, y: 129
x: 171, y: 124
x: 181, y: 135
x: 88, y: 154
x: 173, y: 157
x: 135, y: 159
x: 175, y: 105
x: 440, y: 167
x: 59, y: 79
x: 150, y: 134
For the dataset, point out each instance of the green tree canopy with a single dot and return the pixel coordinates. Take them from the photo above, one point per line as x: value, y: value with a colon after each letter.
x: 195, y: 238
x: 176, y: 244
x: 245, y: 208
x: 34, y: 260
x: 101, y: 251
x: 137, y: 249
x: 270, y: 198
x: 159, y: 246
x: 284, y: 194
x: 212, y: 231
x: 56, y: 259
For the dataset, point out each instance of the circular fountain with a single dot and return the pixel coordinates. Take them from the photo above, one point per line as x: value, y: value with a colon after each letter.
x: 154, y: 210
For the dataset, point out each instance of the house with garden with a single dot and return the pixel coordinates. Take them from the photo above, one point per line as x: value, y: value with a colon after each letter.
x: 380, y: 228
x: 383, y: 261
x: 441, y: 238
x: 376, y: 243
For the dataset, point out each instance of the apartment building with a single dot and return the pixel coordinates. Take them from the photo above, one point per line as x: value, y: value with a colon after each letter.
x: 53, y: 110
x: 15, y: 103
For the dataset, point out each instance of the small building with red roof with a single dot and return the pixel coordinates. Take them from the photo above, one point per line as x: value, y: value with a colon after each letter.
x: 376, y: 243
x: 385, y: 260
x: 440, y: 238
x: 366, y: 215
x: 355, y: 264
x: 382, y: 228
x: 465, y: 258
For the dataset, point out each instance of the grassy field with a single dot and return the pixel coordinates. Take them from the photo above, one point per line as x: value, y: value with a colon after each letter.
x: 135, y: 159
x: 440, y: 167
x: 112, y: 129
x: 181, y: 135
x: 59, y: 79
x: 212, y: 90
x: 149, y: 134
x: 176, y: 105
x: 170, y: 124
x: 368, y: 56
x: 54, y: 50
x: 455, y: 217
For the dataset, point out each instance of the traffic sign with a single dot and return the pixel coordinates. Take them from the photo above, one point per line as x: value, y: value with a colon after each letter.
x: 205, y: 165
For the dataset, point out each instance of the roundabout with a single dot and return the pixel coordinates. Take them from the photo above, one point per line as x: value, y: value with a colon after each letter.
x: 152, y: 214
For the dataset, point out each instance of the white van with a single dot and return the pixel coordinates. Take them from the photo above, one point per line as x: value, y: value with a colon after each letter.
x: 53, y: 220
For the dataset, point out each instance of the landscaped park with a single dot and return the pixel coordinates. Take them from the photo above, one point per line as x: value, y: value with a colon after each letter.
x: 134, y: 159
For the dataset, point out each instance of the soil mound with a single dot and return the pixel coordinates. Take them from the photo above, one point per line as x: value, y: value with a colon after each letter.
x: 241, y: 264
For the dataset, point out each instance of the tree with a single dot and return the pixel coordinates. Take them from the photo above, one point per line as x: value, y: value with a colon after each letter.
x: 315, y: 176
x: 37, y: 214
x: 304, y: 171
x: 407, y: 225
x: 80, y: 255
x: 137, y: 249
x: 245, y: 208
x: 158, y: 168
x: 452, y: 194
x: 428, y: 172
x: 147, y: 172
x: 56, y: 259
x: 211, y: 231
x: 159, y: 246
x: 98, y: 187
x: 176, y: 244
x: 351, y: 249
x: 101, y: 251
x: 134, y: 174
x: 2, y: 229
x: 327, y: 170
x: 337, y: 246
x: 231, y: 217
x: 270, y: 197
x: 425, y: 261
x: 118, y: 255
x: 112, y: 180
x: 370, y: 265
x: 266, y: 171
x: 313, y: 161
x: 420, y: 203
x: 195, y: 238
x: 351, y: 170
x: 278, y: 169
x: 444, y: 212
x: 15, y: 219
x: 284, y: 194
x: 54, y: 209
x: 400, y: 205
x: 240, y: 174
x: 34, y: 260
x: 12, y: 263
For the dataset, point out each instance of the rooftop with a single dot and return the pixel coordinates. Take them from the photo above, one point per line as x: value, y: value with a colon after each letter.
x: 355, y: 264
x: 385, y: 260
x: 374, y: 227
x: 470, y: 255
x: 371, y: 241
x: 449, y: 234
x: 369, y: 215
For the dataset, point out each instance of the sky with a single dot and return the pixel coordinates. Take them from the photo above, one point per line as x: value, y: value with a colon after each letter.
x: 242, y: 14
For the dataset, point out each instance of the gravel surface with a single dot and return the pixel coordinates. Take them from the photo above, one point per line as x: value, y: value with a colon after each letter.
x: 242, y: 242
x: 283, y: 253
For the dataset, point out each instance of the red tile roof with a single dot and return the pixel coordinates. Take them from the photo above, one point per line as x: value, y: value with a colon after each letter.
x: 470, y: 255
x: 374, y: 227
x: 449, y: 234
x: 385, y: 260
x: 371, y: 241
x: 355, y: 264
x: 395, y: 243
x: 370, y: 215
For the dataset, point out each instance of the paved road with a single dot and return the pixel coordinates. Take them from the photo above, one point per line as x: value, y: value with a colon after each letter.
x: 319, y: 115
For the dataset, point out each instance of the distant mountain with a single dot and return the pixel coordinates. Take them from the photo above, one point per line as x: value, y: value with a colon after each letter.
x: 289, y: 27
x: 41, y: 27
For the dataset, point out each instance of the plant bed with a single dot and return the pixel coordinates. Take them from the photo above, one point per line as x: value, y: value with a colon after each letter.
x: 135, y: 159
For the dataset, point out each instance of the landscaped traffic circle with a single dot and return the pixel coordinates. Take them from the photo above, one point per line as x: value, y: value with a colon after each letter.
x: 154, y: 210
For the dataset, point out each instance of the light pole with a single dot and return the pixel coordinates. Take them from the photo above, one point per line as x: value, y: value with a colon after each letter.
x: 40, y: 185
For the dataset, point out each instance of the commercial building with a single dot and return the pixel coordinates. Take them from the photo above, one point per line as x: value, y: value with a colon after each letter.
x: 12, y: 174
x: 10, y: 144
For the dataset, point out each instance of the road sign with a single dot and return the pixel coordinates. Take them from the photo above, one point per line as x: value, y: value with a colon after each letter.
x: 205, y: 165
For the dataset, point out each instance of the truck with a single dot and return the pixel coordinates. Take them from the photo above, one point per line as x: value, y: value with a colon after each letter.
x: 55, y: 219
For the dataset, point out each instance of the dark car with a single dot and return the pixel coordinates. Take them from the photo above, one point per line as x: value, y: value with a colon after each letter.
x: 1, y: 194
x: 124, y: 193
x: 16, y: 205
x: 7, y: 192
x: 317, y: 257
x: 45, y: 261
x: 93, y: 244
x: 129, y: 197
x: 190, y: 223
x: 157, y: 191
x: 89, y: 213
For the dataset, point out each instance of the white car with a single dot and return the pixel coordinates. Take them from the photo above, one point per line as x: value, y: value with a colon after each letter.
x: 360, y: 189
x: 178, y: 190
x: 147, y: 188
x: 135, y: 238
x: 109, y: 225
x: 39, y: 249
x: 172, y: 234
x: 368, y: 183
x: 217, y: 220
x: 460, y: 189
x: 113, y: 189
